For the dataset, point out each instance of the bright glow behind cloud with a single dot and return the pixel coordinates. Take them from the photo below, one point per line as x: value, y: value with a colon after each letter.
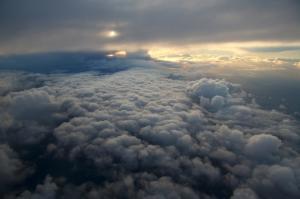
x: 109, y: 34
x: 232, y: 54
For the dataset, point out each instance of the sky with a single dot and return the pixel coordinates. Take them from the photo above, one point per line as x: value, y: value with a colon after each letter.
x: 160, y: 99
x: 32, y: 25
x: 205, y: 30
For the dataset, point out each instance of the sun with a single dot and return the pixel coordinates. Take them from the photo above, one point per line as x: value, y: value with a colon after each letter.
x: 109, y: 34
x: 112, y: 34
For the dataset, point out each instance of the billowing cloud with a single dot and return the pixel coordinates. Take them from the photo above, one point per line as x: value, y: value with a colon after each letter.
x: 244, y: 193
x: 47, y: 190
x: 11, y: 167
x: 262, y: 146
x: 138, y: 133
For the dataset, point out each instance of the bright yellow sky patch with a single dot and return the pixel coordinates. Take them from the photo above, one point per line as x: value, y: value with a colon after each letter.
x: 228, y: 54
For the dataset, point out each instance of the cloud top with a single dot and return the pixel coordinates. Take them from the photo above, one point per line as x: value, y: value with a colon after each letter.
x: 140, y: 134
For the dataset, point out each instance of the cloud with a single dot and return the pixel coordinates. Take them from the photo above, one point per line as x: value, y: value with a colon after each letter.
x: 73, y: 62
x: 262, y: 146
x: 47, y: 190
x: 164, y: 188
x: 209, y: 88
x: 280, y: 179
x: 26, y: 26
x: 214, y: 94
x: 29, y: 115
x: 11, y: 167
x: 139, y: 134
x: 297, y: 64
x: 17, y: 81
x: 244, y: 193
x: 273, y: 49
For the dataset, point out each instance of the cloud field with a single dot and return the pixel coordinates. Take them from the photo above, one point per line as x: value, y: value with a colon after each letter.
x: 140, y: 134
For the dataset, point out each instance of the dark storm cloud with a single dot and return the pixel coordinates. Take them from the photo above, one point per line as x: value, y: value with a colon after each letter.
x: 43, y: 25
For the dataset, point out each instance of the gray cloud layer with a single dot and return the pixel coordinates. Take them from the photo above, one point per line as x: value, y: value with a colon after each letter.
x: 140, y: 134
x: 65, y: 24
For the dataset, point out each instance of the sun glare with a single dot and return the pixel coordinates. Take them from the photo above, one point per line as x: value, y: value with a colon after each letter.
x: 112, y: 34
x: 118, y: 54
x: 109, y: 34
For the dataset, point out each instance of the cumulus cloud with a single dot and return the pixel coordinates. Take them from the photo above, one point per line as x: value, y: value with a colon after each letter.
x: 140, y: 134
x: 280, y: 179
x: 28, y: 116
x: 47, y: 190
x: 11, y: 167
x: 262, y: 146
x: 244, y: 193
x: 209, y: 88
x: 213, y: 93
